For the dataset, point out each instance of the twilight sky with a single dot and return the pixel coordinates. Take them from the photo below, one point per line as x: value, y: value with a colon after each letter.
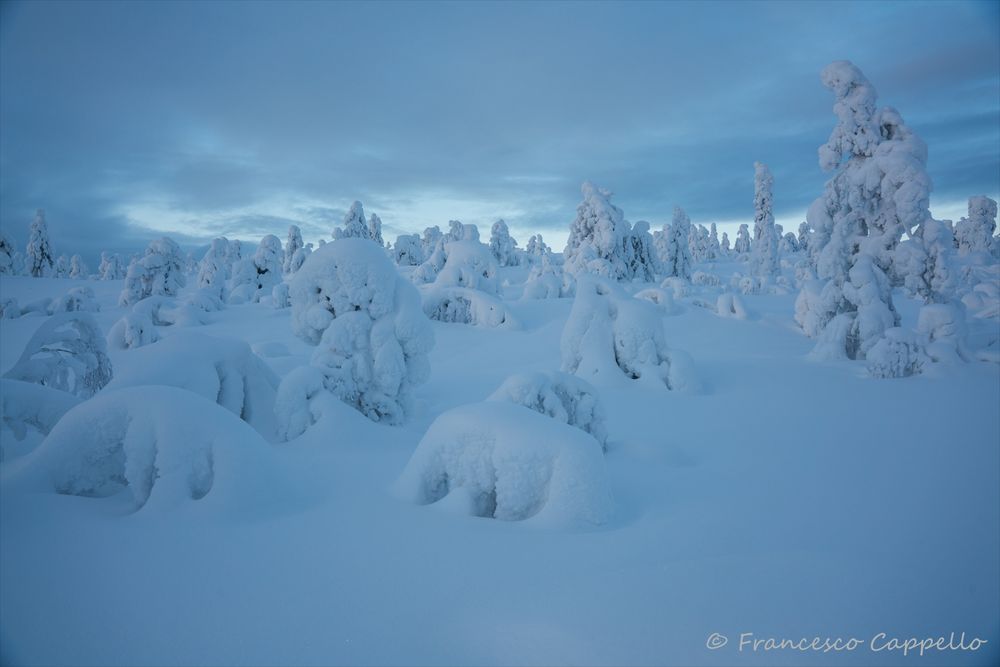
x: 128, y: 120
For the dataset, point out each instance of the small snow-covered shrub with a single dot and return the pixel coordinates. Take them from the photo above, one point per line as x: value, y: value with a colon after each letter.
x: 731, y: 305
x: 407, y: 250
x: 301, y: 401
x: 677, y: 286
x: 256, y: 277
x: 205, y: 300
x: 465, y: 306
x: 77, y: 299
x: 159, y: 272
x: 611, y: 336
x: 896, y: 355
x: 547, y: 280
x: 503, y: 461
x: 661, y: 297
x: 68, y: 353
x: 222, y: 370
x: 372, y: 335
x: 563, y: 397
x: 213, y: 271
x: 502, y: 246
x: 133, y: 330
x: 705, y: 279
x: 942, y: 326
x: 164, y: 445
x: 27, y: 414
x: 9, y: 309
x: 469, y: 264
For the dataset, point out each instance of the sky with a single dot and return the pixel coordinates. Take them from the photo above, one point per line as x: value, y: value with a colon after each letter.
x: 130, y: 120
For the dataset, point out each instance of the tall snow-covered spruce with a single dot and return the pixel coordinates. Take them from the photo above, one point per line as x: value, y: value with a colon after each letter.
x: 879, y: 191
x: 39, y: 252
x: 292, y: 245
x: 371, y: 334
x: 597, y: 236
x: 676, y: 252
x: 502, y: 246
x: 764, y: 251
x: 355, y: 226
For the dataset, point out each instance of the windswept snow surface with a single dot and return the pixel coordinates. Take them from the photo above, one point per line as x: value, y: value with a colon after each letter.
x: 787, y: 498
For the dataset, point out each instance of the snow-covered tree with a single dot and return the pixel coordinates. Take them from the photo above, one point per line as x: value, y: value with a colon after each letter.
x: 640, y: 255
x: 503, y: 247
x: 375, y: 229
x: 39, y: 253
x: 68, y: 353
x: 213, y: 271
x: 407, y: 250
x: 879, y: 191
x: 676, y: 254
x: 724, y: 246
x: 110, y: 267
x: 256, y: 276
x: 293, y: 243
x: 742, y: 245
x: 299, y: 257
x: 975, y: 233
x: 62, y: 267
x: 430, y: 239
x: 367, y: 321
x: 6, y: 255
x: 788, y: 244
x: 764, y: 251
x: 536, y: 247
x: 159, y: 272
x: 804, y: 234
x: 468, y: 264
x: 547, y: 280
x: 355, y: 226
x: 234, y: 253
x: 713, y: 242
x: 77, y: 268
x: 597, y: 236
x: 927, y: 263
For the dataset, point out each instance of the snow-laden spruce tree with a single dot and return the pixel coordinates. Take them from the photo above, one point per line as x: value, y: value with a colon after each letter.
x: 293, y: 244
x: 355, y: 226
x: 407, y: 250
x: 974, y: 234
x: 597, y: 237
x: 676, y: 253
x: 160, y: 271
x: 375, y: 229
x: 430, y: 239
x: 927, y: 263
x: 6, y: 255
x: 62, y: 267
x: 234, y: 253
x: 640, y: 256
x: 724, y: 247
x: 39, y: 252
x: 213, y: 271
x: 742, y: 245
x: 879, y: 191
x: 366, y: 320
x: 536, y: 247
x: 111, y: 266
x: 713, y: 242
x: 804, y: 234
x: 78, y: 268
x: 764, y: 251
x: 503, y: 247
x: 256, y: 276
x: 788, y: 244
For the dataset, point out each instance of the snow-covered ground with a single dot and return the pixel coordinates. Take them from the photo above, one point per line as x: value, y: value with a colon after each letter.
x: 783, y: 497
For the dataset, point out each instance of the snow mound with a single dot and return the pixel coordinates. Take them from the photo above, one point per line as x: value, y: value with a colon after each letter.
x: 731, y: 305
x: 466, y: 306
x: 77, y: 299
x: 301, y: 401
x: 67, y: 353
x: 133, y: 330
x: 509, y: 463
x: 565, y: 398
x: 27, y: 414
x: 895, y: 355
x: 164, y: 445
x: 664, y: 299
x: 942, y: 326
x: 222, y: 370
x: 372, y: 336
x: 469, y: 264
x: 610, y: 337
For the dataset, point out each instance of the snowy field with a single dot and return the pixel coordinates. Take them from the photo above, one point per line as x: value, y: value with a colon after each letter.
x: 784, y: 497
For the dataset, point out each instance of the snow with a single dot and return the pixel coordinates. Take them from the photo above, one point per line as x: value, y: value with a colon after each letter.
x: 509, y: 463
x: 787, y: 492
